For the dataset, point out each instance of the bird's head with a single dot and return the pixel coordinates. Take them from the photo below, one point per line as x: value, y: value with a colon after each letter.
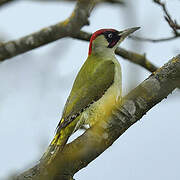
x: 107, y: 40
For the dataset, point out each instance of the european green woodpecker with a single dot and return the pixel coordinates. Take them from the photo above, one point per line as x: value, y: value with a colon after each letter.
x: 96, y: 89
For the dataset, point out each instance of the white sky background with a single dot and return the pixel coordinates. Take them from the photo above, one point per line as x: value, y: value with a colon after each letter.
x: 35, y: 85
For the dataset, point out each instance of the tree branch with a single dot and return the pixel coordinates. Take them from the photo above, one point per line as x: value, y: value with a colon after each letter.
x: 73, y: 24
x: 106, y: 1
x: 52, y: 33
x: 4, y: 2
x: 79, y: 153
x: 136, y: 59
x: 154, y: 40
x: 172, y: 23
x: 68, y: 28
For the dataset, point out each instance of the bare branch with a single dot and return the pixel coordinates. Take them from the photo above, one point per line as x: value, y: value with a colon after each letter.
x: 136, y: 59
x: 172, y: 23
x: 73, y: 24
x: 97, y: 139
x: 13, y: 48
x: 115, y: 1
x: 154, y: 40
x: 4, y: 2
x: 106, y: 1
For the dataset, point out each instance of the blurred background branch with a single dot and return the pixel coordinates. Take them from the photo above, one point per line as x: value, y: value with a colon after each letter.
x: 74, y: 23
x: 50, y: 34
x: 106, y: 1
x: 173, y: 24
x: 4, y: 2
x: 154, y: 40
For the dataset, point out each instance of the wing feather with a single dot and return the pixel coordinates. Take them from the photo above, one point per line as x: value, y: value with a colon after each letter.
x: 92, y: 81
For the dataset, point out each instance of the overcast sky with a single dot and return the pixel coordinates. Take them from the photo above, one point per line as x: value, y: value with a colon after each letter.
x: 35, y: 86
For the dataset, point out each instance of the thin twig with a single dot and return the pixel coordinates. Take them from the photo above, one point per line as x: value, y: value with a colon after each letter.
x: 172, y: 23
x: 154, y: 40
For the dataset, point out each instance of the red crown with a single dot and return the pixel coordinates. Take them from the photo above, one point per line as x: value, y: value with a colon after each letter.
x: 94, y: 35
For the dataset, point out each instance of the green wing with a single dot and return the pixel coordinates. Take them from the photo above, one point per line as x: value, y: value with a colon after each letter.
x: 92, y: 81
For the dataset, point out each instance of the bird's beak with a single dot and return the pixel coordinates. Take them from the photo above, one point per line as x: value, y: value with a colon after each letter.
x: 127, y: 32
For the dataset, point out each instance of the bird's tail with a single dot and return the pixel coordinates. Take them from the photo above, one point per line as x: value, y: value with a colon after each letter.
x: 56, y: 145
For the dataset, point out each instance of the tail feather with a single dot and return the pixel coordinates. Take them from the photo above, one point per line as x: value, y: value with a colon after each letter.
x: 60, y: 139
x: 56, y: 145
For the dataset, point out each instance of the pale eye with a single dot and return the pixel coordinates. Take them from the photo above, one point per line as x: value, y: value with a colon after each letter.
x: 110, y: 35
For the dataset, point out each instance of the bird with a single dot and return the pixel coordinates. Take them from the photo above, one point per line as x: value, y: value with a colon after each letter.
x: 96, y: 90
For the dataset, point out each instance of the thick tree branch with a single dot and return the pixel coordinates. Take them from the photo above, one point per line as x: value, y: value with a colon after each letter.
x: 70, y: 26
x: 97, y: 139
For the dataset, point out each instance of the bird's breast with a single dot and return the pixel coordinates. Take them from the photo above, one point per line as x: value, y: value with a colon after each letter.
x: 102, y: 108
